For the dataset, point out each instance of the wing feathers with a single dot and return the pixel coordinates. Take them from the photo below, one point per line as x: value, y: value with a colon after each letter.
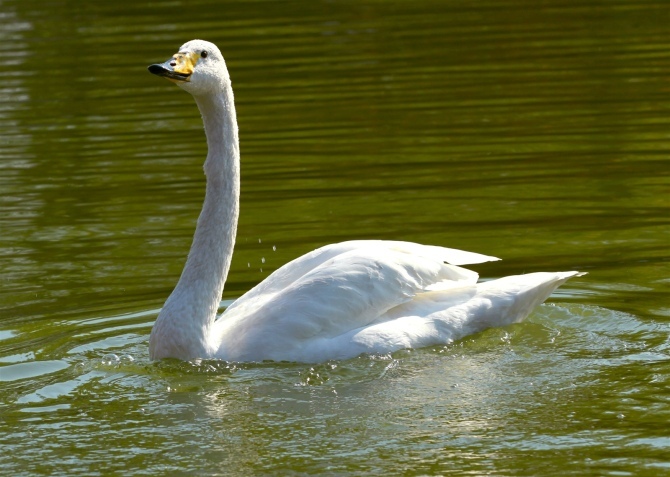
x: 372, y: 296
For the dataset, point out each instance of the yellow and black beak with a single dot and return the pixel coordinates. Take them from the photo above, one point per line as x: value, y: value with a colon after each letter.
x: 178, y: 68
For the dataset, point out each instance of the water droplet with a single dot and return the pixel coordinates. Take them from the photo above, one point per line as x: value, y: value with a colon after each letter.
x: 248, y: 265
x: 274, y: 248
x: 110, y: 359
x: 259, y: 240
x: 262, y: 259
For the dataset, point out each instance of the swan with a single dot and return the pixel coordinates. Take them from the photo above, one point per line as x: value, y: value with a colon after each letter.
x: 337, y: 302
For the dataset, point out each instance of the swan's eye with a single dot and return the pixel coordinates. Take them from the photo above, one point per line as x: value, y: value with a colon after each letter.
x: 203, y: 54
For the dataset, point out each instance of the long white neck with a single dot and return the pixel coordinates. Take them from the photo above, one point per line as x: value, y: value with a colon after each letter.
x: 183, y: 325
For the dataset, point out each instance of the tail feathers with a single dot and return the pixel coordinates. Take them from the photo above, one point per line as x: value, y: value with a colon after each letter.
x: 443, y: 316
x: 511, y: 299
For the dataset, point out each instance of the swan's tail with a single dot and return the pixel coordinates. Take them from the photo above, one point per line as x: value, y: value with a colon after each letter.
x: 444, y: 316
x: 511, y: 299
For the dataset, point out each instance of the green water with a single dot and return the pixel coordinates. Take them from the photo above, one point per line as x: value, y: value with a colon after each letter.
x: 533, y: 131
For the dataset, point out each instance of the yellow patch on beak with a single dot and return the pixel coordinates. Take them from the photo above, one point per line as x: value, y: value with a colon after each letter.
x: 184, y: 63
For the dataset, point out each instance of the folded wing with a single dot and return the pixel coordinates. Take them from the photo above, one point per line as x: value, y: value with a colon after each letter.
x: 334, y: 290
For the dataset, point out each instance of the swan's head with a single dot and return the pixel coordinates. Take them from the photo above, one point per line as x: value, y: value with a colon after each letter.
x: 198, y: 67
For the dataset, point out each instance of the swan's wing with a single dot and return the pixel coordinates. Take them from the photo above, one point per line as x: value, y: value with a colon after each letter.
x: 330, y: 292
x: 449, y: 255
x: 288, y: 274
x: 284, y: 277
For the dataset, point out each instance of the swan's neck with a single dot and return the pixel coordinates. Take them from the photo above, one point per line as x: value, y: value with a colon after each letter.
x: 183, y: 325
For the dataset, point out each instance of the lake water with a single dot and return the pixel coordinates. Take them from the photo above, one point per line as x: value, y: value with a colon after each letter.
x: 538, y: 132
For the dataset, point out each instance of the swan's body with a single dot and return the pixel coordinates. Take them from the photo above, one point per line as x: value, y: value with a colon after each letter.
x: 334, y: 303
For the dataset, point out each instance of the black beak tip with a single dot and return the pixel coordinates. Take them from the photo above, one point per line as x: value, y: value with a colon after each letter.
x: 157, y: 69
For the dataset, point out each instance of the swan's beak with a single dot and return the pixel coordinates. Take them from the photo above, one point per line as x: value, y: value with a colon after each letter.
x: 178, y: 68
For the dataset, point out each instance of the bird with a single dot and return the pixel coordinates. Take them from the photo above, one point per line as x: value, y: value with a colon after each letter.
x: 340, y: 301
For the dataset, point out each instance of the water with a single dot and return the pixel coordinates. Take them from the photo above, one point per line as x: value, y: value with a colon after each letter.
x: 534, y: 132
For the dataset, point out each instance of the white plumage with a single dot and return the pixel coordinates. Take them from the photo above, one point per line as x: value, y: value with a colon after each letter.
x: 339, y: 301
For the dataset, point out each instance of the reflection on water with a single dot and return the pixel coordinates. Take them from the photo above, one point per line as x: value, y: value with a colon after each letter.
x: 533, y: 132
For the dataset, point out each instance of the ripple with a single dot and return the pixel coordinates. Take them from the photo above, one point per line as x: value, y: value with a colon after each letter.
x: 32, y: 369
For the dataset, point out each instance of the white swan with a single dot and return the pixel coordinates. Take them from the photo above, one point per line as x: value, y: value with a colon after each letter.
x: 336, y: 302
